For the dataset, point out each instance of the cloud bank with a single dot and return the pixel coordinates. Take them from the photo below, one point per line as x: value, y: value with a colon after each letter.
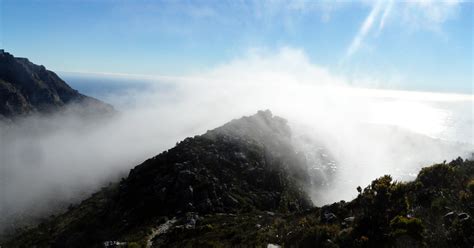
x: 350, y: 135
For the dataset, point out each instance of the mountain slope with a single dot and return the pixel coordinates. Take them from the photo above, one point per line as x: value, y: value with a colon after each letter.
x: 27, y: 88
x: 435, y: 210
x: 247, y: 163
x: 243, y: 185
x: 244, y: 166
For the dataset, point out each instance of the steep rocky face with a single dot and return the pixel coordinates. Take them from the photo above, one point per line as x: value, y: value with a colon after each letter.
x: 26, y: 87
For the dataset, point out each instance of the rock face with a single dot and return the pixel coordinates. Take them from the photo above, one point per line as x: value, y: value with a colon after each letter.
x: 27, y: 88
x: 246, y: 164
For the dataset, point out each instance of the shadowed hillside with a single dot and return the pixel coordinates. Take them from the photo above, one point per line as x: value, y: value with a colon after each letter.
x: 28, y: 88
x: 242, y: 184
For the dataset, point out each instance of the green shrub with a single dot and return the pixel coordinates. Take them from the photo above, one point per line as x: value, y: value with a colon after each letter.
x: 318, y: 236
x: 470, y: 186
x: 401, y: 225
x: 133, y: 245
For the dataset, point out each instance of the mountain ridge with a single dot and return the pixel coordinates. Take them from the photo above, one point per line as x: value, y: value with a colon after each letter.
x: 27, y: 88
x: 247, y: 164
x: 242, y: 184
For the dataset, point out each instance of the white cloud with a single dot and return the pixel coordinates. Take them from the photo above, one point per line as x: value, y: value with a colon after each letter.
x: 409, y: 15
x: 428, y: 14
x: 48, y: 160
x: 364, y: 29
x: 385, y: 15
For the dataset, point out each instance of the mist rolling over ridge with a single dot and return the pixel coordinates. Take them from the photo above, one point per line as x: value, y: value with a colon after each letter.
x: 252, y: 123
x: 348, y: 135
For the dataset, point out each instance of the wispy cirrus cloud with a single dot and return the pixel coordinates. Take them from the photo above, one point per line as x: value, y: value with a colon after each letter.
x: 385, y: 14
x: 365, y: 28
x: 417, y: 14
x: 428, y: 14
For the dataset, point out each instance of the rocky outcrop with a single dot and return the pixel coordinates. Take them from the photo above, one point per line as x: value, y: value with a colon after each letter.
x: 28, y: 88
x: 246, y: 164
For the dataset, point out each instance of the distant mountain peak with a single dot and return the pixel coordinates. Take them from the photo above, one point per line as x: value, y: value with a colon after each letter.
x: 29, y: 88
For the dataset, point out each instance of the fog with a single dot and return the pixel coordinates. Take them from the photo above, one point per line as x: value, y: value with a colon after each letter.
x: 349, y: 135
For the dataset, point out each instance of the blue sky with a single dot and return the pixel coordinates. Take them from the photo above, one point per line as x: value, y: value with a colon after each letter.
x: 416, y: 45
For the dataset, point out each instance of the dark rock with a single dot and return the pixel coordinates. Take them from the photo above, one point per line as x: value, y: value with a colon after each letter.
x: 329, y: 217
x: 449, y: 217
x: 205, y: 206
x: 253, y: 154
x: 270, y: 213
x: 230, y: 201
x: 349, y: 219
x: 188, y: 194
x: 28, y: 88
x: 463, y: 217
